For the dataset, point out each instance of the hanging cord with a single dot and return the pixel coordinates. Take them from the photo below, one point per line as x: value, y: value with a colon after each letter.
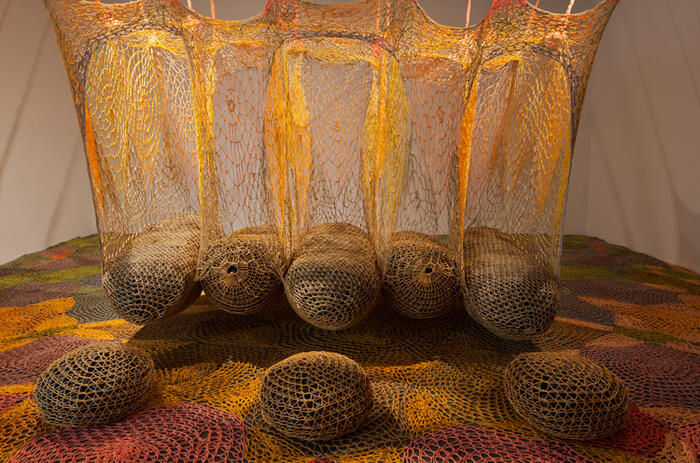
x: 469, y: 12
x: 213, y: 9
x: 571, y: 5
x: 189, y: 4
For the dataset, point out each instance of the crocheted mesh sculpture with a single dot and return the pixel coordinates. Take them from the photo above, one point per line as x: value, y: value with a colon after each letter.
x: 333, y: 280
x: 315, y: 396
x: 131, y: 83
x: 365, y: 113
x: 420, y: 280
x: 524, y: 106
x: 153, y: 275
x: 508, y: 291
x: 566, y: 396
x: 94, y: 384
x: 238, y: 272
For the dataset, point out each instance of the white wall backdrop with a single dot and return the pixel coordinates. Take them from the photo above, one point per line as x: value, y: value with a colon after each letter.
x: 636, y: 172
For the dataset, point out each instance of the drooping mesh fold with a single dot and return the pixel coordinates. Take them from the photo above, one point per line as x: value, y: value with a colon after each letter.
x: 130, y: 78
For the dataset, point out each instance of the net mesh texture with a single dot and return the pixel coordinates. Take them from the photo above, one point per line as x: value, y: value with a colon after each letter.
x: 566, y: 396
x: 367, y: 114
x: 94, y: 384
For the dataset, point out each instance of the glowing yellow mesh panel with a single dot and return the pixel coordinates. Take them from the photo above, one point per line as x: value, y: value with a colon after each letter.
x: 308, y: 117
x: 526, y: 98
x: 131, y: 84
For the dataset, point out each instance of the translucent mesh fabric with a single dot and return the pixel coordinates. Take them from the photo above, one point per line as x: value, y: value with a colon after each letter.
x: 315, y: 396
x: 130, y: 78
x: 365, y: 113
x: 524, y: 106
x: 420, y: 279
x: 94, y: 384
x: 566, y: 396
x: 333, y: 281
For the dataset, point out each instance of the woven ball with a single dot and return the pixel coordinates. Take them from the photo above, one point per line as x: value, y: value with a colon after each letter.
x: 333, y: 280
x: 507, y: 291
x: 420, y: 279
x: 154, y: 275
x: 94, y: 384
x: 239, y: 272
x: 315, y: 396
x: 566, y: 396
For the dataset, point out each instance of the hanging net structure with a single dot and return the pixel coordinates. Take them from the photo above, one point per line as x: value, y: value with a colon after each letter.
x: 447, y: 149
x: 321, y: 171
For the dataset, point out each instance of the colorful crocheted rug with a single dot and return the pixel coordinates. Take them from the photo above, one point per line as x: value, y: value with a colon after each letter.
x: 437, y: 384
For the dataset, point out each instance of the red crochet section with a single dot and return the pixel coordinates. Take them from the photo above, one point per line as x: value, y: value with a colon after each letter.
x: 9, y: 400
x: 690, y: 434
x: 656, y: 375
x: 643, y: 435
x: 24, y: 364
x: 186, y: 433
x: 472, y: 443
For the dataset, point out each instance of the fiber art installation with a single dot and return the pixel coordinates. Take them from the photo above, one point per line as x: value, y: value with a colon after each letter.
x: 94, y: 384
x: 349, y: 158
x: 420, y: 280
x: 566, y: 396
x: 238, y: 272
x: 367, y: 114
x: 315, y: 396
x: 131, y: 82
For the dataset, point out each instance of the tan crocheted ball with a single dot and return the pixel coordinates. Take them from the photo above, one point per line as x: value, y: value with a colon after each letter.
x: 239, y: 272
x: 420, y: 279
x: 507, y: 291
x: 333, y: 280
x: 566, y: 396
x: 94, y: 384
x: 315, y: 396
x: 154, y: 275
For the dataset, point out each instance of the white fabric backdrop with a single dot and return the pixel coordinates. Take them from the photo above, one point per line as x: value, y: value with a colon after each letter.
x: 636, y: 172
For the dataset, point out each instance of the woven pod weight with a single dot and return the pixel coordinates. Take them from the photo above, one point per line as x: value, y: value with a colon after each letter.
x: 94, y: 384
x: 566, y: 396
x: 420, y: 279
x: 154, y: 274
x: 315, y: 396
x: 333, y: 280
x: 239, y: 272
x: 507, y: 290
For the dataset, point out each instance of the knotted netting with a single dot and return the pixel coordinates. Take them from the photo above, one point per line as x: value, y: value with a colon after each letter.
x: 525, y: 103
x: 336, y: 147
x: 130, y: 78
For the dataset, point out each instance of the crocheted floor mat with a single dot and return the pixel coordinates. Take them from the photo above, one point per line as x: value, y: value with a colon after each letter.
x: 437, y: 383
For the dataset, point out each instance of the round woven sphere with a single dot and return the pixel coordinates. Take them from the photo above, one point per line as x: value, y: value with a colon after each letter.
x: 154, y: 274
x: 333, y: 280
x: 95, y: 384
x: 566, y: 396
x: 511, y: 295
x: 420, y: 279
x: 239, y: 272
x: 315, y: 396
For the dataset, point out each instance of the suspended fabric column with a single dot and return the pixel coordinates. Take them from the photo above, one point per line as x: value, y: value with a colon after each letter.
x: 131, y: 84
